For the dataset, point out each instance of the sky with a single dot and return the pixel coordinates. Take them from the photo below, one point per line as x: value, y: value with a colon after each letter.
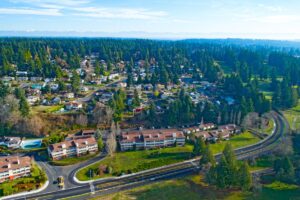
x: 260, y: 19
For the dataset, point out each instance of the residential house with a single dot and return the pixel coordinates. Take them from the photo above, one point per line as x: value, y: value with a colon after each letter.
x: 11, y: 142
x: 33, y: 99
x: 113, y: 76
x: 69, y: 95
x: 21, y: 73
x: 84, y: 89
x: 73, y: 106
x: 56, y: 100
x: 207, y: 126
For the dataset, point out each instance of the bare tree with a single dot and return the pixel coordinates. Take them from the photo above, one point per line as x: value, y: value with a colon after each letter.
x: 102, y: 114
x: 285, y: 148
x: 9, y: 110
x: 81, y: 120
x: 33, y: 125
x: 231, y: 116
x: 219, y: 118
x: 111, y: 144
x: 118, y: 129
x: 250, y: 120
x: 239, y: 117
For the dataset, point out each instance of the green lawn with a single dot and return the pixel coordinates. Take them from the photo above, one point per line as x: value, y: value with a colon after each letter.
x: 293, y: 117
x: 36, y: 180
x: 134, y: 161
x: 46, y: 109
x: 193, y: 188
x: 72, y: 160
x: 237, y: 141
x: 140, y: 160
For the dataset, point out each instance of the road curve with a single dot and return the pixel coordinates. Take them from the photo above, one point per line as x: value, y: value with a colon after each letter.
x: 102, y: 187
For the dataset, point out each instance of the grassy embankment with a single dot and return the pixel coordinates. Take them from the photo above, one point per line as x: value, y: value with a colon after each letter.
x: 134, y: 161
x: 193, y: 187
x: 72, y: 160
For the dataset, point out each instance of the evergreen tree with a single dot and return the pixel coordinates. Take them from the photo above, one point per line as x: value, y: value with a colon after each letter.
x: 97, y: 68
x: 231, y: 162
x: 223, y: 174
x: 136, y: 99
x: 196, y: 149
x: 202, y: 146
x: 4, y: 90
x: 207, y: 157
x: 245, y: 177
x: 129, y: 80
x: 75, y: 82
x: 100, y: 144
x: 24, y: 107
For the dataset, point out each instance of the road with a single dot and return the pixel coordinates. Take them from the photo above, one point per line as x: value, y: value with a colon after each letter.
x: 108, y: 186
x: 90, y: 96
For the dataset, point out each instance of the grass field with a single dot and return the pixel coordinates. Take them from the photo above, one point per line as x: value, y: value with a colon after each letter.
x: 46, y: 109
x: 134, y: 161
x: 140, y: 160
x: 193, y: 188
x: 293, y: 117
x: 237, y: 141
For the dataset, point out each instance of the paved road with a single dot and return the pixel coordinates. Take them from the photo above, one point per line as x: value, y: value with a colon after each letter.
x: 113, y: 185
x: 90, y: 96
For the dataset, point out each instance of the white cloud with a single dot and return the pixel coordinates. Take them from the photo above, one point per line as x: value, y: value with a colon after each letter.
x: 82, y: 8
x: 53, y: 2
x: 29, y: 11
x: 281, y: 19
x: 271, y: 8
x: 119, y: 13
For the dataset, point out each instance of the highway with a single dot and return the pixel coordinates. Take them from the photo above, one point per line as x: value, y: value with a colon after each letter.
x: 112, y: 185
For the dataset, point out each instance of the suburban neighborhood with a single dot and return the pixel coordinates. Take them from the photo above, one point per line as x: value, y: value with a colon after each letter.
x: 149, y: 100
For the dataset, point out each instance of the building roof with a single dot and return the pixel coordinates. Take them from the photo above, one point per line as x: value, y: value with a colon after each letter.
x: 87, y: 132
x: 14, y: 162
x: 75, y: 142
x: 151, y: 135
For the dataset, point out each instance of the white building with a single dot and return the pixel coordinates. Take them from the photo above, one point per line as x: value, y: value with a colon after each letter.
x: 150, y: 139
x: 12, y: 167
x: 74, y: 147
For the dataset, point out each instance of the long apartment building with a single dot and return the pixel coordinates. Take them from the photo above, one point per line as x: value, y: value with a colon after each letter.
x: 12, y: 167
x: 150, y: 139
x: 74, y: 147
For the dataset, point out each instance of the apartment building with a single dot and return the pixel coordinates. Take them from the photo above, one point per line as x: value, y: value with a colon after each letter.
x: 13, y: 167
x: 74, y: 147
x: 150, y: 139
